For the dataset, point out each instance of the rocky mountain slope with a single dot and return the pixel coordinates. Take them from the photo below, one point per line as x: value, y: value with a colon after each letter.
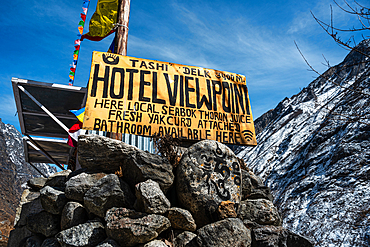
x: 14, y: 172
x: 314, y: 152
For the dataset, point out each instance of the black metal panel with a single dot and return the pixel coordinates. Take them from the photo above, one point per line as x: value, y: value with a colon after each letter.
x: 56, y: 148
x: 56, y: 98
x: 46, y: 126
x: 40, y: 158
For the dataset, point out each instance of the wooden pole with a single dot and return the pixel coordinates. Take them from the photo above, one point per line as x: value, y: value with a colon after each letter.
x: 121, y: 38
x: 122, y: 30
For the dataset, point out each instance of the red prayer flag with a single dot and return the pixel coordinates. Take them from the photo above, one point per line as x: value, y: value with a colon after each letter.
x: 74, y: 131
x: 83, y: 17
x: 96, y: 38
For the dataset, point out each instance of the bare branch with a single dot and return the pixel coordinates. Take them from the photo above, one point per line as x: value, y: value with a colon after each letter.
x: 328, y: 78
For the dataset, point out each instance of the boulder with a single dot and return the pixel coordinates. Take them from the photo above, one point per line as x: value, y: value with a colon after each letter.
x: 108, y: 155
x: 295, y: 239
x: 225, y: 233
x: 208, y: 173
x: 37, y: 183
x: 155, y: 243
x: 18, y: 236
x: 58, y: 179
x: 50, y: 242
x: 83, y: 235
x: 186, y: 239
x: 30, y: 203
x: 226, y: 209
x: 150, y: 198
x: 34, y: 241
x: 253, y: 187
x: 108, y: 243
x: 52, y: 200
x: 108, y: 192
x: 44, y: 223
x: 261, y: 211
x: 268, y: 236
x: 73, y: 214
x: 181, y: 219
x: 271, y: 236
x: 78, y: 185
x: 130, y: 228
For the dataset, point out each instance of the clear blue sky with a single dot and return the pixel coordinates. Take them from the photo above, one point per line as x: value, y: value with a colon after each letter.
x: 253, y: 38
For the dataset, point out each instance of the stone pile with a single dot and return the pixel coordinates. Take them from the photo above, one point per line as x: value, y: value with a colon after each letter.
x: 123, y: 196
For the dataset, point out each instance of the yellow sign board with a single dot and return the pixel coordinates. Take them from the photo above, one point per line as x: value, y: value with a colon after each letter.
x: 143, y: 97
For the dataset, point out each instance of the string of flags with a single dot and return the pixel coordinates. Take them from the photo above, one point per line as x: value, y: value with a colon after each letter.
x: 76, y: 129
x: 81, y: 24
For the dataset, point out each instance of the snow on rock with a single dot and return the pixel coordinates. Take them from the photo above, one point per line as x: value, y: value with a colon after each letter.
x: 14, y: 172
x: 314, y: 152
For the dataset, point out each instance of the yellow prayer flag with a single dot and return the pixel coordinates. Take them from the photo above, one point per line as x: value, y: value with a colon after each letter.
x: 105, y: 16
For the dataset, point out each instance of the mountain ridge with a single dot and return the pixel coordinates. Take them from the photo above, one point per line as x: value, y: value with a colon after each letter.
x: 313, y: 152
x: 15, y: 172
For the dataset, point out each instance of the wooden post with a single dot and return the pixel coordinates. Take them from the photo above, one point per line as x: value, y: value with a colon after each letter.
x: 122, y: 30
x: 121, y: 38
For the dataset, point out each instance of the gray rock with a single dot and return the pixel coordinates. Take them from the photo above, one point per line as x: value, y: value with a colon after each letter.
x: 52, y: 200
x: 44, y: 223
x: 226, y: 209
x: 225, y: 233
x: 268, y: 236
x: 50, y: 242
x: 155, y: 243
x: 78, y: 185
x: 253, y: 187
x: 73, y: 214
x: 295, y: 239
x: 34, y: 241
x: 150, y: 198
x: 261, y: 211
x: 18, y: 235
x: 130, y: 228
x: 186, y: 239
x: 108, y: 155
x: 37, y: 183
x: 30, y: 204
x: 108, y: 192
x: 181, y: 219
x: 208, y: 173
x: 251, y: 224
x: 271, y: 236
x: 108, y: 243
x: 58, y: 179
x: 83, y: 235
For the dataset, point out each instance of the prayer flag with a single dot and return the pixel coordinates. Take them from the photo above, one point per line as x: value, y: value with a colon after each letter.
x: 96, y: 38
x: 79, y: 113
x: 81, y: 29
x: 74, y: 131
x: 83, y: 17
x: 112, y: 46
x: 101, y: 23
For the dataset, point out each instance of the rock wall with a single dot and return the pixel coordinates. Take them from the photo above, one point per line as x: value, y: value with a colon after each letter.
x: 123, y: 196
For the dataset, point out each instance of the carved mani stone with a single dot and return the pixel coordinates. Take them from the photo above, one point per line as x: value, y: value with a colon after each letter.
x: 208, y: 174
